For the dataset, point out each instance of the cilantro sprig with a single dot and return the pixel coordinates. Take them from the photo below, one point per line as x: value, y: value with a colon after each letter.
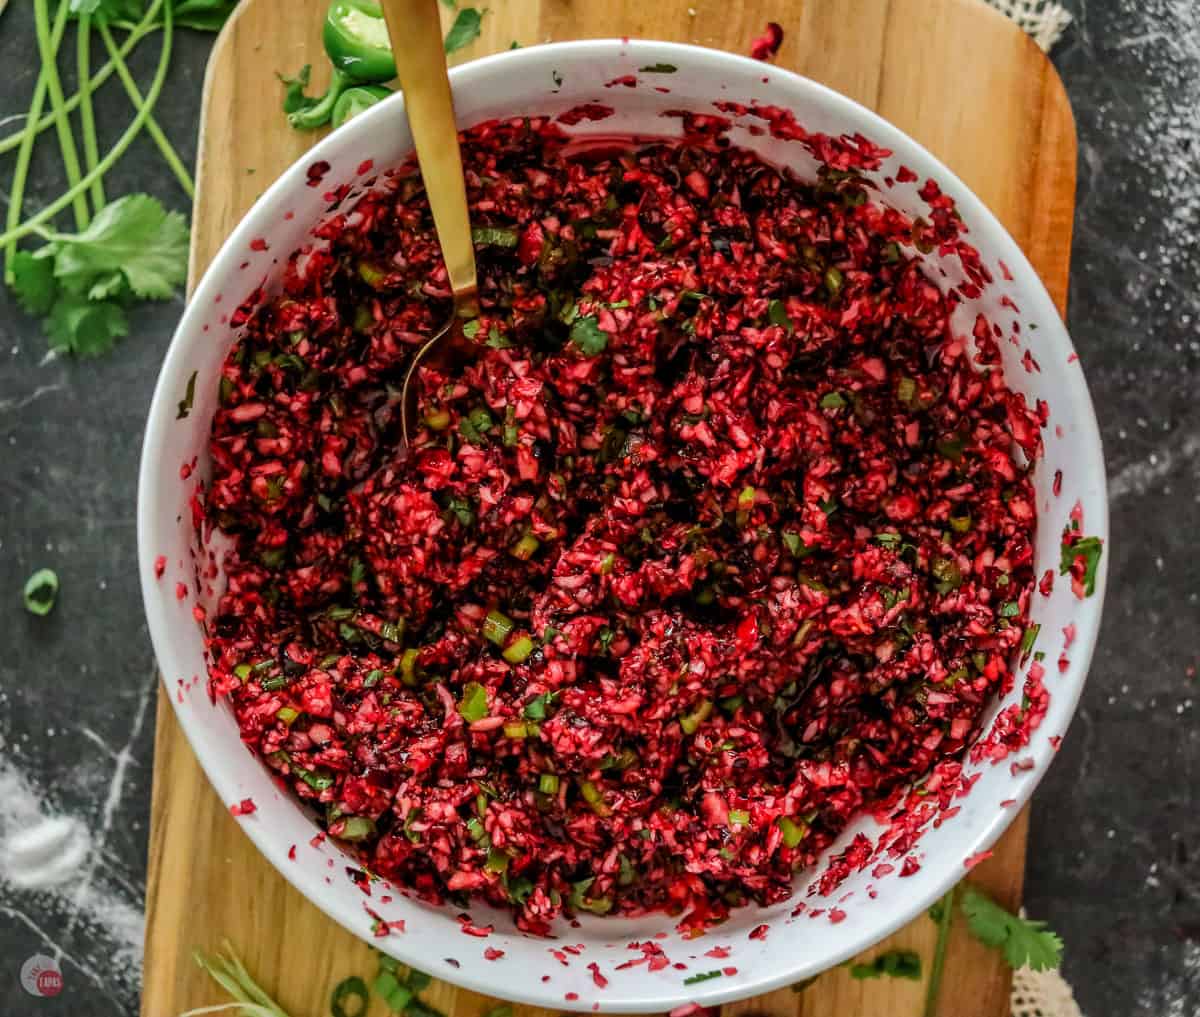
x: 1023, y: 941
x: 81, y: 283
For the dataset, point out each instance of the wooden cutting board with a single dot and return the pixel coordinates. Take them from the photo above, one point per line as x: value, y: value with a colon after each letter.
x: 954, y: 74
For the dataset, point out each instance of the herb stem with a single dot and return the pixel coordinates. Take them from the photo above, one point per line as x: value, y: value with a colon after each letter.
x: 87, y: 117
x: 14, y: 233
x: 945, y: 919
x: 152, y: 128
x: 27, y: 136
x: 136, y: 35
x: 48, y: 50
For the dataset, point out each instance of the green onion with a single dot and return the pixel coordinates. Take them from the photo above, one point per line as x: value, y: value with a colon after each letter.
x: 496, y: 627
x: 548, y: 783
x: 497, y: 861
x: 373, y: 678
x: 626, y: 875
x: 274, y: 683
x: 356, y: 828
x: 1010, y: 609
x: 437, y: 420
x: 516, y: 729
x: 691, y: 721
x: 832, y: 401
x: 319, y: 779
x: 41, y: 591
x: 476, y: 830
x: 594, y: 797
x: 731, y: 704
x: 535, y: 709
x: 474, y: 703
x: 746, y: 498
x: 947, y: 573
x: 702, y: 976
x: 524, y: 548
x: 287, y: 714
x: 393, y: 632
x: 480, y: 419
x: 739, y: 817
x: 795, y: 544
x: 518, y: 651
x: 242, y: 671
x: 833, y: 281
x: 408, y: 666
x: 396, y: 995
x: 793, y: 832
x: 906, y: 391
x: 961, y: 524
x: 371, y: 274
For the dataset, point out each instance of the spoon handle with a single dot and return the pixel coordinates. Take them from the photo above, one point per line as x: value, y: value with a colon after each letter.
x: 416, y: 36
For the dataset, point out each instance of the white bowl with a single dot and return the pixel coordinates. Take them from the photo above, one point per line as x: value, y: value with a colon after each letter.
x: 527, y: 81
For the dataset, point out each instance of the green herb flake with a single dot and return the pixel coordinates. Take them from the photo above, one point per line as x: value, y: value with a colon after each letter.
x: 1029, y: 638
x: 41, y: 592
x: 658, y: 69
x: 494, y: 236
x: 703, y: 976
x: 1090, y: 550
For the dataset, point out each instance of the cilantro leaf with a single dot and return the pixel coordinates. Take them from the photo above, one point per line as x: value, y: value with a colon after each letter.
x: 465, y: 29
x: 777, y: 312
x: 33, y: 282
x: 134, y: 235
x: 587, y: 334
x: 1025, y: 943
x: 86, y: 328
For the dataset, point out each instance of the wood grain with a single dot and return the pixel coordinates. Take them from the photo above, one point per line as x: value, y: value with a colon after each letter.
x: 952, y: 73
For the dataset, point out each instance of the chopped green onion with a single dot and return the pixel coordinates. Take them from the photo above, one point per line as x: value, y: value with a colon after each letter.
x: 731, y: 704
x: 777, y: 313
x: 833, y: 281
x: 1010, y: 609
x: 393, y: 632
x: 395, y: 994
x: 476, y: 830
x: 474, y: 703
x: 371, y: 274
x: 947, y: 573
x: 832, y: 401
x: 41, y: 591
x: 437, y: 420
x: 961, y: 524
x: 906, y: 391
x: 408, y: 666
x: 535, y: 709
x: 548, y: 783
x: 518, y: 651
x: 793, y: 832
x: 691, y: 721
x: 497, y: 861
x: 594, y: 797
x: 951, y: 448
x: 287, y: 714
x: 496, y: 627
x: 746, y: 498
x: 702, y: 976
x: 242, y: 671
x: 739, y: 817
x: 319, y: 779
x: 356, y: 828
x: 525, y: 548
x: 516, y: 729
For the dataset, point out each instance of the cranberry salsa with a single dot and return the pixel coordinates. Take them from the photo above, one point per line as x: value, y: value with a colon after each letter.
x: 725, y: 538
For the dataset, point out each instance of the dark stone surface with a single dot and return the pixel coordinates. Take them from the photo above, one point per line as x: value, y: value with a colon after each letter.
x: 1115, y: 852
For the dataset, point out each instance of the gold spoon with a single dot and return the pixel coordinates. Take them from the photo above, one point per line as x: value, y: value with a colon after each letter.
x: 416, y: 36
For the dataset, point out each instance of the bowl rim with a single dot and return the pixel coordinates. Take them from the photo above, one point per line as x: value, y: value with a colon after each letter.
x: 880, y: 131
